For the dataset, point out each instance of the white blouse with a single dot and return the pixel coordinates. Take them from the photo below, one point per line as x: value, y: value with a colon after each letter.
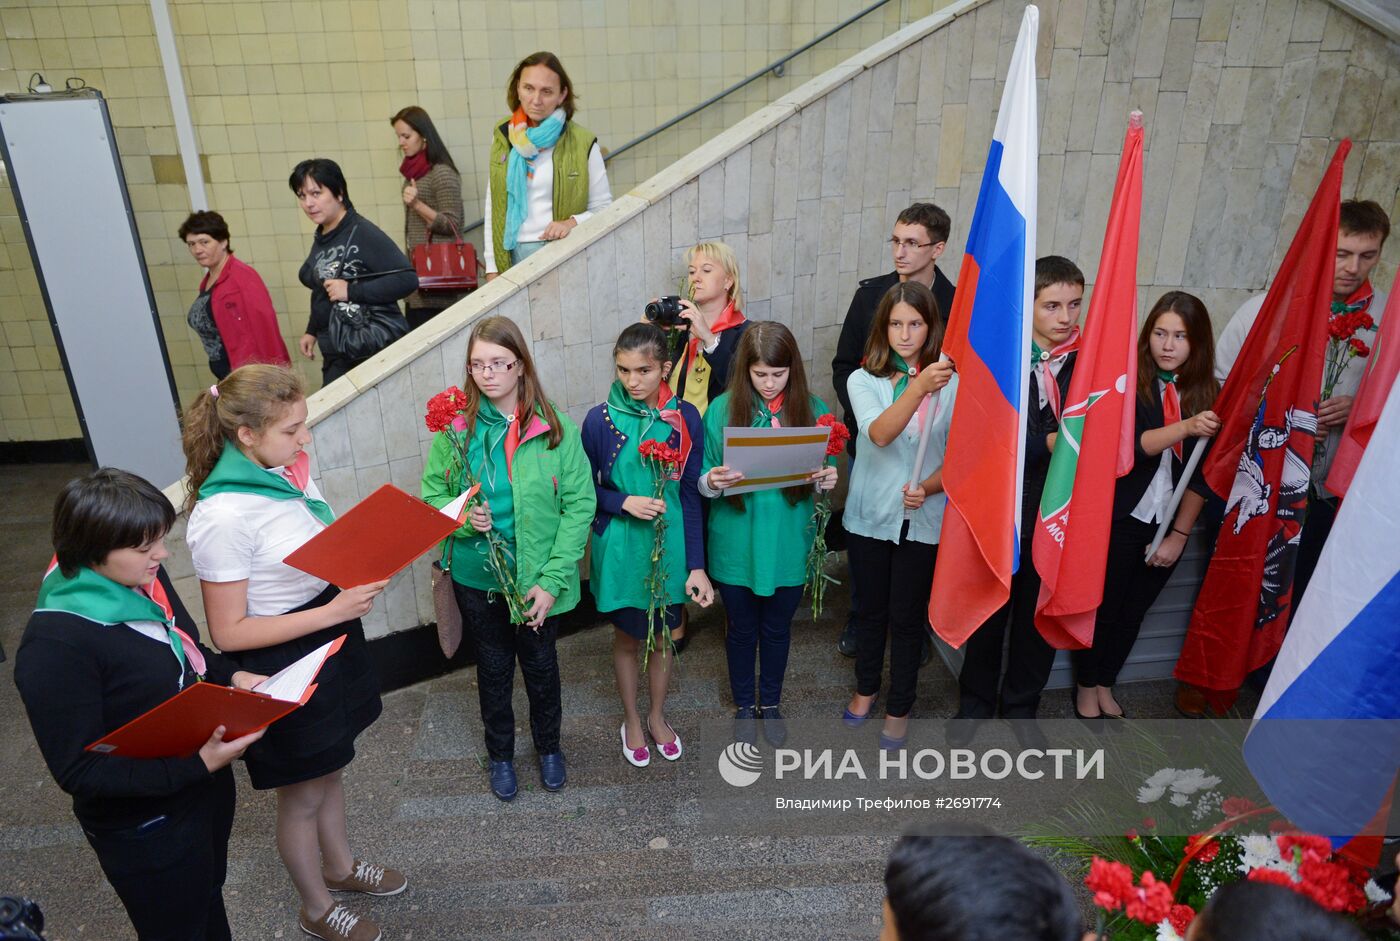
x: 241, y: 536
x: 539, y: 212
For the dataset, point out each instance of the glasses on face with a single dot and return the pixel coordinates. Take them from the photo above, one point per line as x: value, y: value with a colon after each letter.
x: 910, y: 244
x: 486, y: 369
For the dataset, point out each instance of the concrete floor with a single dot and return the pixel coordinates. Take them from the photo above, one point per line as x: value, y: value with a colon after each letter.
x: 614, y: 855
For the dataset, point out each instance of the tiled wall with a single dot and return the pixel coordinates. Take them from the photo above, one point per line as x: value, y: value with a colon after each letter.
x: 1243, y: 102
x: 270, y: 83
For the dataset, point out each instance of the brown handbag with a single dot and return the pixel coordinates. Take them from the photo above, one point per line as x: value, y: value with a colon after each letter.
x: 449, y: 616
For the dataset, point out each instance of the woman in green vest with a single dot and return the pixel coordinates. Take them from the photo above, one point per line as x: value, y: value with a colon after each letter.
x: 759, y: 541
x: 537, y: 494
x: 641, y: 411
x: 546, y: 173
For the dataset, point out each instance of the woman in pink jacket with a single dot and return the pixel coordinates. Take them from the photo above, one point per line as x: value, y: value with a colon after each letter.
x: 233, y: 314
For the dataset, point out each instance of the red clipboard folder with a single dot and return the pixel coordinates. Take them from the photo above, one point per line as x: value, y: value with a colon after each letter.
x: 376, y: 539
x: 179, y: 726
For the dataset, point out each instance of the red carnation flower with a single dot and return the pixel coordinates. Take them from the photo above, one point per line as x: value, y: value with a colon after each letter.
x: 1149, y: 822
x: 1330, y: 886
x: 1111, y: 882
x: 1364, y: 321
x: 1271, y: 876
x: 1132, y: 835
x: 1237, y: 806
x: 1312, y: 847
x: 840, y: 434
x: 1202, y: 848
x: 1181, y: 917
x: 1359, y: 348
x: 1150, y: 902
x: 443, y: 409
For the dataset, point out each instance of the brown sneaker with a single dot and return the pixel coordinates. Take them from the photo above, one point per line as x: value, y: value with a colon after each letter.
x: 370, y: 880
x: 339, y: 924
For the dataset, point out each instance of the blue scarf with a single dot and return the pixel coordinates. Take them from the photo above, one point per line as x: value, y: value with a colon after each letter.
x: 520, y: 168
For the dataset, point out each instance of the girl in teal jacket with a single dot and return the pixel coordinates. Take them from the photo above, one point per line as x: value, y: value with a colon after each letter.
x: 759, y: 541
x: 537, y: 494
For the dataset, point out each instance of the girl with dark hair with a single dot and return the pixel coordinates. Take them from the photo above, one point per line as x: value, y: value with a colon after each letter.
x: 759, y: 541
x: 1260, y: 911
x: 357, y: 275
x: 1175, y: 389
x: 893, y: 527
x: 537, y: 493
x: 108, y: 641
x: 254, y: 503
x: 432, y: 199
x: 642, y: 408
x: 546, y: 172
x: 238, y: 324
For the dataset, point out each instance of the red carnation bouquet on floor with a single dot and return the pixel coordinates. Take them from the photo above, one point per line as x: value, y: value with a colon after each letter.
x: 664, y: 463
x: 817, y: 577
x: 445, y: 416
x: 1149, y: 883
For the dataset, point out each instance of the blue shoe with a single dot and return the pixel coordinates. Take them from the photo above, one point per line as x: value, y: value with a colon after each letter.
x: 503, y: 783
x: 890, y: 743
x: 856, y: 721
x: 774, y: 728
x: 552, y: 774
x: 745, y: 725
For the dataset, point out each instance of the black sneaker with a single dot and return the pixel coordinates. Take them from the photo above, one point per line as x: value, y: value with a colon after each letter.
x: 745, y: 725
x: 774, y: 728
x: 846, y: 646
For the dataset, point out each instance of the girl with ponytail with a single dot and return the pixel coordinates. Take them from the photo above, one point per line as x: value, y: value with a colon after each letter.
x: 253, y: 502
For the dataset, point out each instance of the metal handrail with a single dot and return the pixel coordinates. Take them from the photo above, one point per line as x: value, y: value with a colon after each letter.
x: 773, y: 66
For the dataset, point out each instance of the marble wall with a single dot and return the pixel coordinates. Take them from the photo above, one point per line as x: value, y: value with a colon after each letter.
x: 1244, y: 101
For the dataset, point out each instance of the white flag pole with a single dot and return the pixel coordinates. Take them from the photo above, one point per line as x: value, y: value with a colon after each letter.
x: 1177, y: 494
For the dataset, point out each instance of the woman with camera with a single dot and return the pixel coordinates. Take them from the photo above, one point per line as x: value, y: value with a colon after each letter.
x: 714, y: 319
x: 432, y: 200
x: 546, y: 172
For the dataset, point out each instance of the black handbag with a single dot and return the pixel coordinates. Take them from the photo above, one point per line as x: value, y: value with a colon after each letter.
x: 358, y: 331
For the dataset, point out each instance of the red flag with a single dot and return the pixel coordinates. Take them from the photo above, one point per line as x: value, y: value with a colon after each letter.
x: 1095, y: 442
x: 1370, y: 398
x: 1263, y: 459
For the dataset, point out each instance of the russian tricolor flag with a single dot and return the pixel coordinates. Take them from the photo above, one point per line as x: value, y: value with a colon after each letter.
x: 989, y: 338
x: 1325, y: 743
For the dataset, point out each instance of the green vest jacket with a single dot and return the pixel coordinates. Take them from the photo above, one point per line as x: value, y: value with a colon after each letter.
x: 553, y: 501
x: 570, y: 181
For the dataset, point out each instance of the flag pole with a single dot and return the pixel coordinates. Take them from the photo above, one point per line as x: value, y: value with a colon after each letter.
x: 930, y: 414
x: 1177, y: 494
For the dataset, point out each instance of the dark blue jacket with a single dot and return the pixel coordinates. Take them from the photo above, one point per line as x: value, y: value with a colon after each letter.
x: 602, y: 442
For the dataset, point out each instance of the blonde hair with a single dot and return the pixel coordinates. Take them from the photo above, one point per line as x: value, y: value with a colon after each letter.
x: 252, y: 396
x: 724, y: 255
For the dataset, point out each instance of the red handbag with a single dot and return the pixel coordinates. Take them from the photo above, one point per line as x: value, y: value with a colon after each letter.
x: 445, y: 267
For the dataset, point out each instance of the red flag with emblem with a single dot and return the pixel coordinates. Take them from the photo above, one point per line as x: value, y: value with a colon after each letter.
x: 1263, y: 458
x: 1094, y: 446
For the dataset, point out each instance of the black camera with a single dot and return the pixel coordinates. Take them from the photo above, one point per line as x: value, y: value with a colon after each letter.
x: 20, y: 920
x: 665, y: 312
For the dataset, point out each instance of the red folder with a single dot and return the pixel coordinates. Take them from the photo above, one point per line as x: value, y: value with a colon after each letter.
x: 379, y: 537
x: 180, y: 725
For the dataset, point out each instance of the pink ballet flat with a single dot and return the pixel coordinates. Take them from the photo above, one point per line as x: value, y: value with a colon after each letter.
x: 636, y: 757
x: 673, y: 749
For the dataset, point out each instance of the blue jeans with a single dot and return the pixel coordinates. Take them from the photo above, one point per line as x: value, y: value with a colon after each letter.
x: 762, y: 624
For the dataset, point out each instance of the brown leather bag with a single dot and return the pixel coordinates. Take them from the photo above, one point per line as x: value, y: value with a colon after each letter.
x: 449, y: 616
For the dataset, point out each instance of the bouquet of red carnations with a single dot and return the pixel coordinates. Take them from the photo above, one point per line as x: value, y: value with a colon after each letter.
x: 664, y: 463
x: 445, y: 415
x: 817, y: 577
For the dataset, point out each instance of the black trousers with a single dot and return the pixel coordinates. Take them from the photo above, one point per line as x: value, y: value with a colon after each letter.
x: 499, y: 644
x: 895, y: 580
x: 170, y: 873
x: 1317, y: 526
x: 1130, y: 588
x: 1029, y: 657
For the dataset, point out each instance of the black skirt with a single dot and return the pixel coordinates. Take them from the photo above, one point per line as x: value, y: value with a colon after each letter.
x: 318, y: 738
x: 633, y: 621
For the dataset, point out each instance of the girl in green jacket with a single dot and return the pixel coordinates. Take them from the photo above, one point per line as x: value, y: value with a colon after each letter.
x: 759, y: 541
x: 537, y: 494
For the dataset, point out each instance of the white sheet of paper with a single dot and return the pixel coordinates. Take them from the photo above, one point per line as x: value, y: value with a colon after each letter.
x: 453, y: 510
x: 774, y: 457
x: 290, y: 683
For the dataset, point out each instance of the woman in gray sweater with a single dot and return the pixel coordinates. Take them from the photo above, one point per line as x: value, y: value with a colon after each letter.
x: 432, y: 199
